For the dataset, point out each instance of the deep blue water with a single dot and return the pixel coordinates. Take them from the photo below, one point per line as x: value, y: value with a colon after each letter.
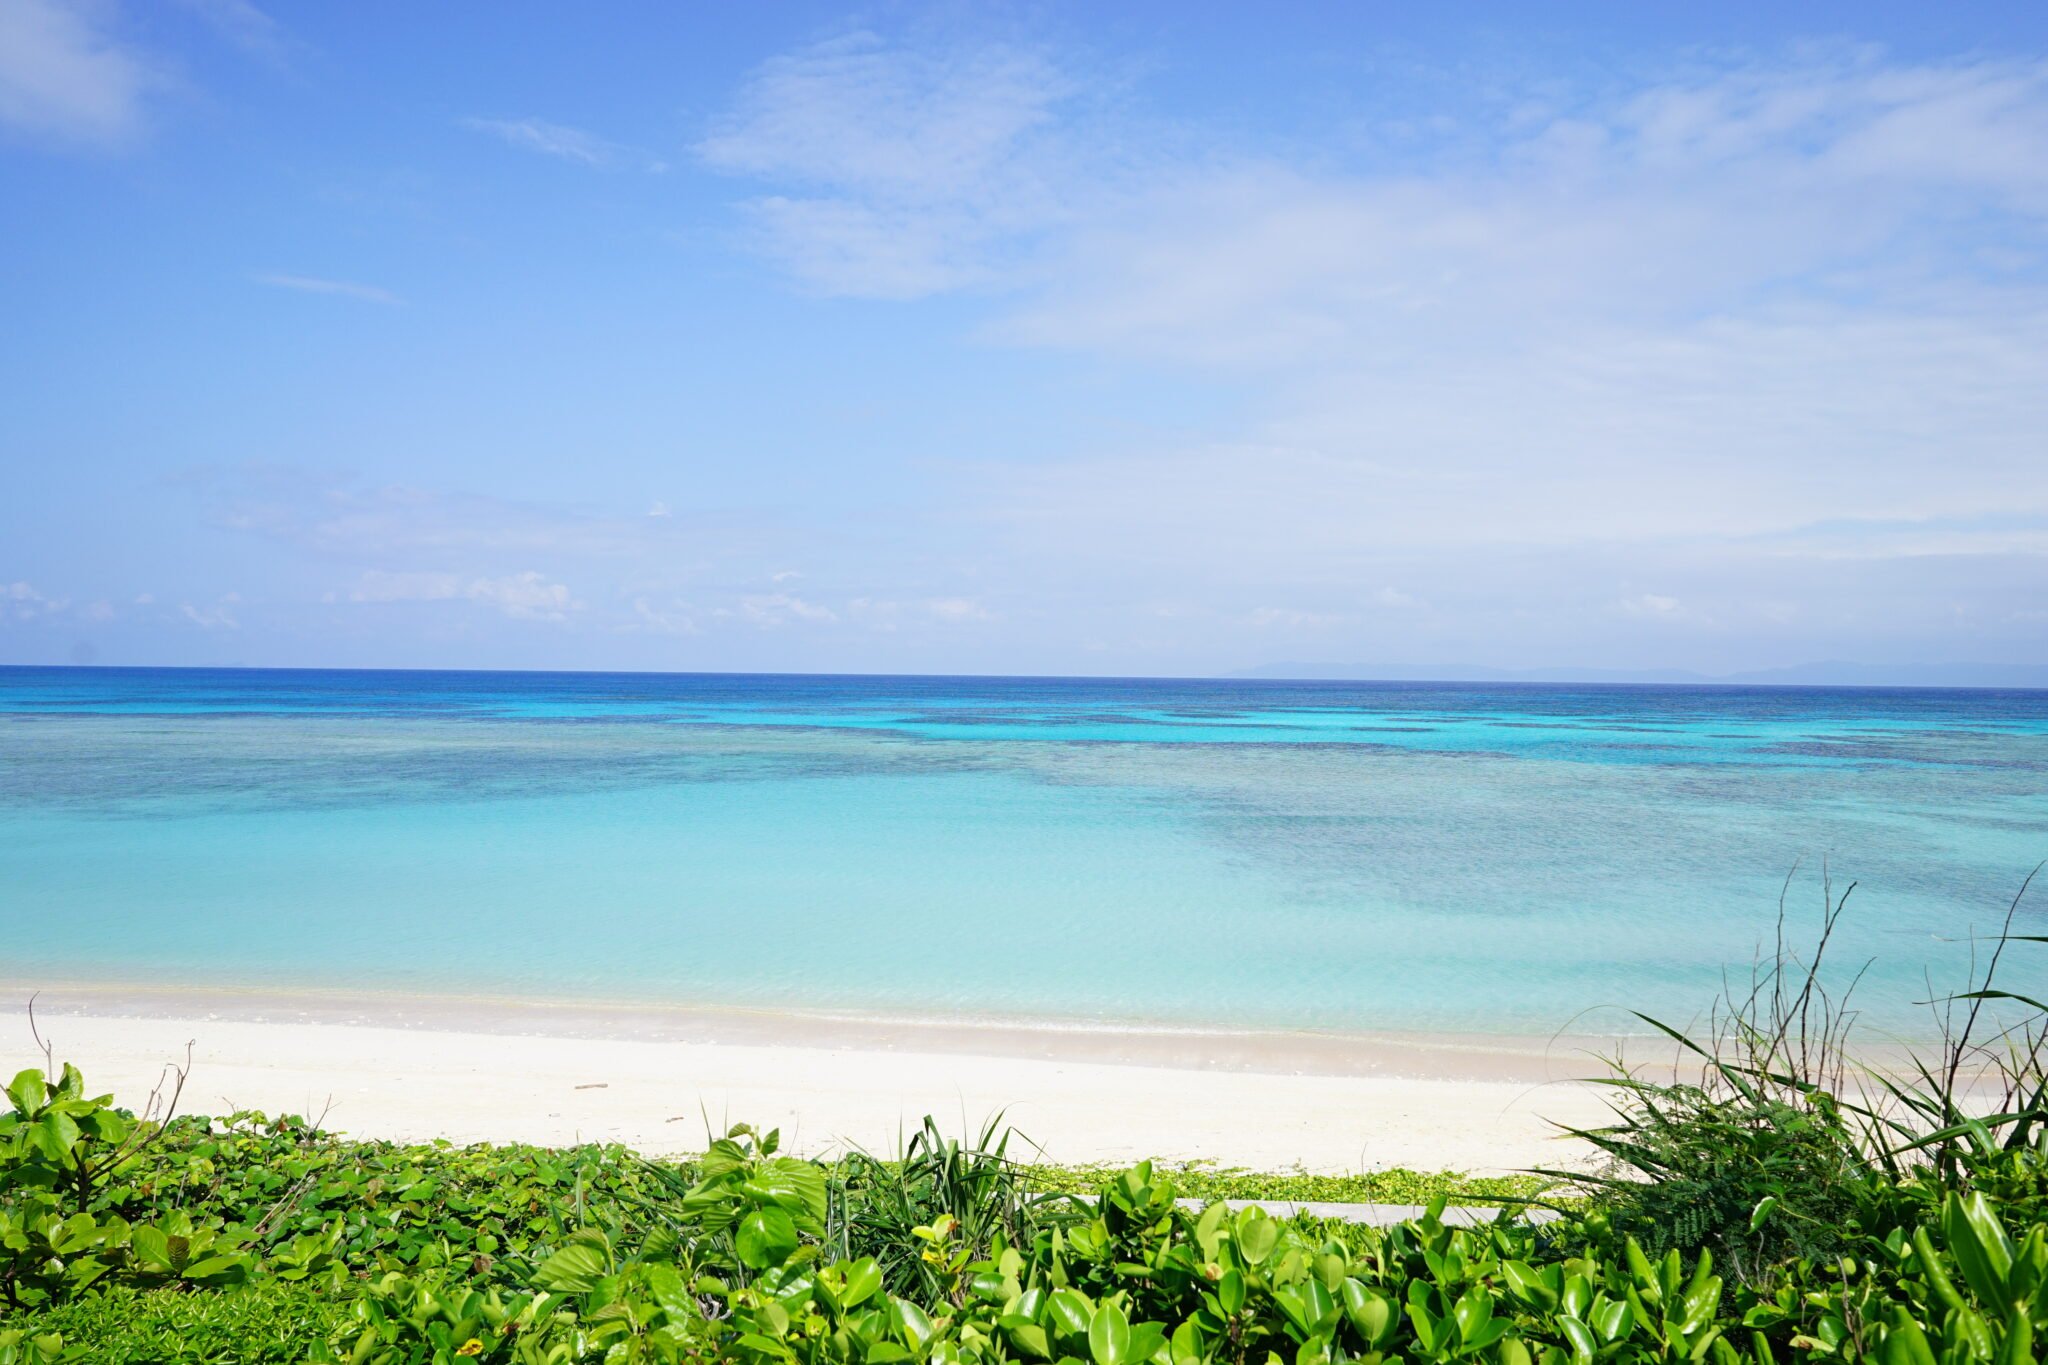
x: 1332, y: 855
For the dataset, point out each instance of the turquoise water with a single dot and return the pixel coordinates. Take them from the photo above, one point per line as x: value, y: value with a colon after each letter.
x: 1335, y: 856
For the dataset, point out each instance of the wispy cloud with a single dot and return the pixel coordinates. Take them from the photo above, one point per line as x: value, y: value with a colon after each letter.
x: 65, y: 77
x: 244, y: 25
x: 892, y: 614
x: 222, y: 615
x: 1634, y: 340
x: 22, y: 602
x: 1292, y: 618
x: 912, y: 168
x: 1711, y: 196
x: 345, y: 518
x: 527, y: 596
x: 957, y: 610
x: 1653, y: 605
x: 773, y: 609
x: 673, y: 618
x: 562, y: 141
x: 311, y: 284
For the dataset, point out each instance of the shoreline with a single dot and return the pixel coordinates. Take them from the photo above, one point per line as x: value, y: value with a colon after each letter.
x: 1411, y: 1054
x: 420, y: 1068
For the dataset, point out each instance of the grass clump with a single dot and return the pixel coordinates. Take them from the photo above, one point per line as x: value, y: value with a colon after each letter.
x: 1779, y: 1147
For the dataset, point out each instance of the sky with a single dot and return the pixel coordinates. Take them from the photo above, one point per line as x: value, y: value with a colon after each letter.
x: 1167, y: 339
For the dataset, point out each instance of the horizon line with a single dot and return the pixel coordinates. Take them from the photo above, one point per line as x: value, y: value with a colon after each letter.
x: 1731, y: 681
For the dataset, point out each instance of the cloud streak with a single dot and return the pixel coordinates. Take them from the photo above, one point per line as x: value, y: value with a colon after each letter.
x: 562, y: 142
x: 312, y: 284
x: 548, y: 139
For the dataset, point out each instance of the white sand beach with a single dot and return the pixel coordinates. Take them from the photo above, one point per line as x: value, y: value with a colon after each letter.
x: 525, y: 1074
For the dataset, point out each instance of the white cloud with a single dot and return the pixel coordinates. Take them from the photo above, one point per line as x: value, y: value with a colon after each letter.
x: 658, y: 509
x: 1643, y: 332
x: 957, y: 610
x: 64, y: 77
x: 525, y: 596
x: 901, y: 169
x: 309, y: 284
x: 889, y: 615
x: 673, y: 619
x: 1699, y: 332
x: 24, y: 603
x: 770, y: 610
x: 220, y: 616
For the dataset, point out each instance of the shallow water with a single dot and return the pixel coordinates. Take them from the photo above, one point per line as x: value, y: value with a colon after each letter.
x: 1328, y: 855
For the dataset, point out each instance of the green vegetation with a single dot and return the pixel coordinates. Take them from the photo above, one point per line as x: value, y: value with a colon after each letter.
x: 269, y: 1322
x: 1206, y: 1181
x: 1768, y: 1209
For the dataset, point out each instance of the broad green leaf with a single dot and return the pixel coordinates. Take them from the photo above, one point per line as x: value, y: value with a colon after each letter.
x: 1371, y: 1312
x: 797, y: 1187
x: 1256, y: 1235
x: 1580, y: 1336
x: 912, y: 1324
x: 1109, y: 1336
x: 863, y: 1278
x: 1615, y: 1320
x: 766, y: 1238
x: 1030, y: 1339
x: 1528, y: 1284
x: 1069, y: 1312
x: 151, y: 1248
x: 576, y: 1268
x: 27, y: 1091
x: 1230, y: 1292
x: 54, y: 1135
x: 665, y: 1285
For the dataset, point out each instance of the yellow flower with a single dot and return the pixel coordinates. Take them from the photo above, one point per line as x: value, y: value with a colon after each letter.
x: 472, y: 1347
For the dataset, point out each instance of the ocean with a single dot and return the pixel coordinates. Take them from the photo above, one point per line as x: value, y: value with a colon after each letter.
x: 1346, y: 857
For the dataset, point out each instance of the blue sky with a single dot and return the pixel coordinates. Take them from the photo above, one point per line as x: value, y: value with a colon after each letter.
x: 1131, y: 339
